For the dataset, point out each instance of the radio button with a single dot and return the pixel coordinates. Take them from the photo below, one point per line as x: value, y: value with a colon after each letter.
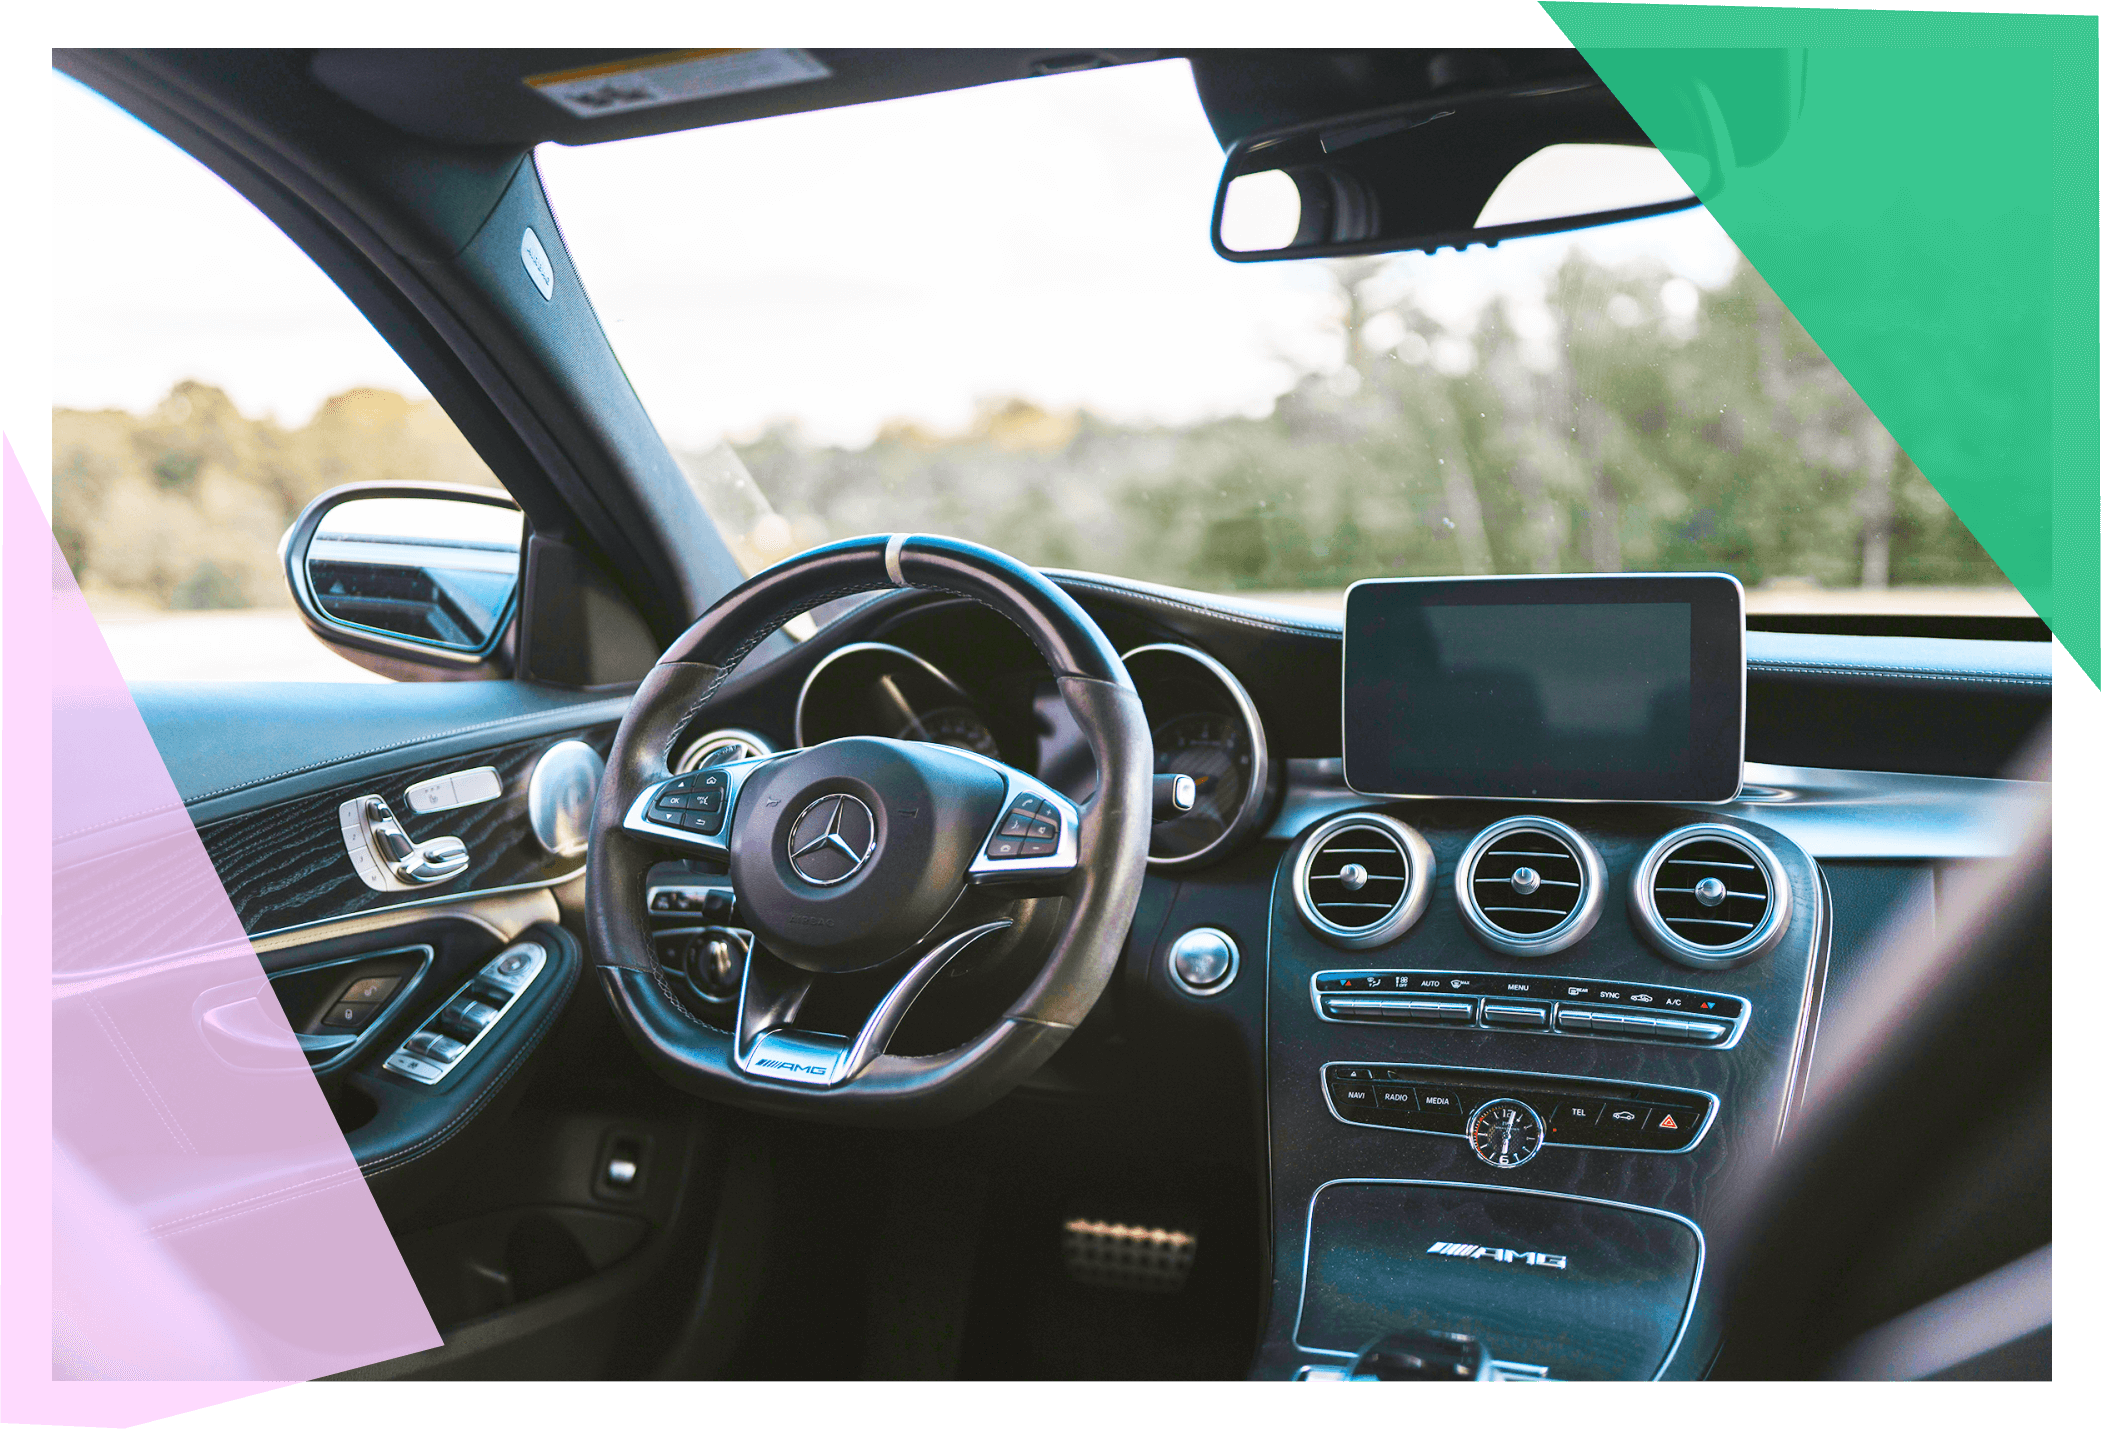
x: 1394, y: 1101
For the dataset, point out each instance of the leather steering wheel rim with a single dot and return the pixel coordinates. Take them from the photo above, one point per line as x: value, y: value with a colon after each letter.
x: 1101, y: 892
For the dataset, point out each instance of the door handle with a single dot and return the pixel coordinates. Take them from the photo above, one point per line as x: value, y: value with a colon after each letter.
x: 386, y: 857
x: 242, y: 1032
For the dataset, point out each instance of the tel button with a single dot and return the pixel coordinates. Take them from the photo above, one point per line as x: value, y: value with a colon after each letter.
x: 1577, y: 1120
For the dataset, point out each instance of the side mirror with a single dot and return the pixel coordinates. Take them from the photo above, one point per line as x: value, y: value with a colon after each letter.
x: 1449, y: 171
x: 415, y: 582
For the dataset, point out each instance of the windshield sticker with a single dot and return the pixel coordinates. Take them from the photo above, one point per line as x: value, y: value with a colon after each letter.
x: 673, y: 78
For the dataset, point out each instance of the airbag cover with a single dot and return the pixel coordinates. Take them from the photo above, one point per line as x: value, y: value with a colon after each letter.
x: 897, y: 859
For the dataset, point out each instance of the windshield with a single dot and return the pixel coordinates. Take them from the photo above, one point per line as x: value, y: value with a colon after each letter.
x: 995, y: 314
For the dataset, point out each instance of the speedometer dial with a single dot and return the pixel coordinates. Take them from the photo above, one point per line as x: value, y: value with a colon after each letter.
x: 1205, y: 726
x: 956, y: 725
x: 1212, y: 749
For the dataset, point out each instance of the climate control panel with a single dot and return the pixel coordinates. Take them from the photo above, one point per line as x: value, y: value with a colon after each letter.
x: 1514, y: 1002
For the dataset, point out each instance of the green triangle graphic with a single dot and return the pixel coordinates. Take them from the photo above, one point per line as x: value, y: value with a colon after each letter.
x: 1920, y: 189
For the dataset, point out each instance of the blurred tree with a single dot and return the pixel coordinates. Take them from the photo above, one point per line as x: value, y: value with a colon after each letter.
x: 1622, y: 419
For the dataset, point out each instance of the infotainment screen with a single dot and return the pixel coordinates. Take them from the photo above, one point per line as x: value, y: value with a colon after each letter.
x: 1545, y: 687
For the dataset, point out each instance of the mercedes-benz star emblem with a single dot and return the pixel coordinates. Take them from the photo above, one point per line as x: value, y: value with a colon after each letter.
x: 831, y: 839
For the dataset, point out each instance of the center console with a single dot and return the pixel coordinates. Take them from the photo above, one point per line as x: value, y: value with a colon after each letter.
x: 1524, y: 1149
x: 1516, y: 1038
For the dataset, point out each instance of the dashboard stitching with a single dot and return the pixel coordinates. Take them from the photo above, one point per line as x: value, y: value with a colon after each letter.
x: 1237, y: 618
x: 368, y: 753
x: 1901, y: 672
x: 333, y: 1183
x: 671, y: 996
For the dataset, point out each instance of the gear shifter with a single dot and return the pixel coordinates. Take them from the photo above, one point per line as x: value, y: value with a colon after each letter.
x: 1437, y: 1355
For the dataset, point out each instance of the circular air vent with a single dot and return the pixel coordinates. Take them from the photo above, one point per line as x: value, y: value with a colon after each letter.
x: 1530, y: 886
x: 1362, y: 880
x: 721, y: 746
x: 1709, y: 896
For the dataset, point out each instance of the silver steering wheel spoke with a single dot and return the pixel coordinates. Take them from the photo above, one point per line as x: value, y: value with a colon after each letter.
x: 770, y: 1047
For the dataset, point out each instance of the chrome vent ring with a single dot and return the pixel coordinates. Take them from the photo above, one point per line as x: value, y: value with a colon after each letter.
x: 720, y: 746
x: 1710, y: 896
x: 1361, y: 880
x: 1530, y: 886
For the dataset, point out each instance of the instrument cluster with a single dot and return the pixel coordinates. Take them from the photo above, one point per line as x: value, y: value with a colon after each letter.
x: 1204, y: 725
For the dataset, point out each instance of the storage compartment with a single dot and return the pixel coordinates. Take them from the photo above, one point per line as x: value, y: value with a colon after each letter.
x: 1584, y: 1289
x: 475, y: 1267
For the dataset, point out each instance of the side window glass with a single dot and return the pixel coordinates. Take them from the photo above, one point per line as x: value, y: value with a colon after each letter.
x: 200, y: 399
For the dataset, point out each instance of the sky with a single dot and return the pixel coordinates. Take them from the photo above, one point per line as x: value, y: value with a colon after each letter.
x: 907, y: 260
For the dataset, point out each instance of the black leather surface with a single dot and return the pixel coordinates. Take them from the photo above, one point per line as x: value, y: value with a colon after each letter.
x: 1608, y: 1305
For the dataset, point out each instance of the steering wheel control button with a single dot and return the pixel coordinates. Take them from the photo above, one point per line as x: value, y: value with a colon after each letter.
x: 1203, y: 962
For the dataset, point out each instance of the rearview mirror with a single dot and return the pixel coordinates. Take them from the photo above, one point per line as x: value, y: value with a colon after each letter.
x: 1450, y: 171
x: 418, y: 576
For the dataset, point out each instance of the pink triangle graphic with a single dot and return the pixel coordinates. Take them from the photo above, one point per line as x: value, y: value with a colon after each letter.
x: 183, y: 1222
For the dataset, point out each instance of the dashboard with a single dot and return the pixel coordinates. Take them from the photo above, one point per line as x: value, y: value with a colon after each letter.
x: 1493, y: 1059
x: 1329, y: 1030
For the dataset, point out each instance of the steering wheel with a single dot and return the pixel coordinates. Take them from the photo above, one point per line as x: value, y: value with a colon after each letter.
x: 869, y: 854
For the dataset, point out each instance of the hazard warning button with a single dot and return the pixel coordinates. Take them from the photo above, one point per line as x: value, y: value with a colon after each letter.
x: 1668, y: 1128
